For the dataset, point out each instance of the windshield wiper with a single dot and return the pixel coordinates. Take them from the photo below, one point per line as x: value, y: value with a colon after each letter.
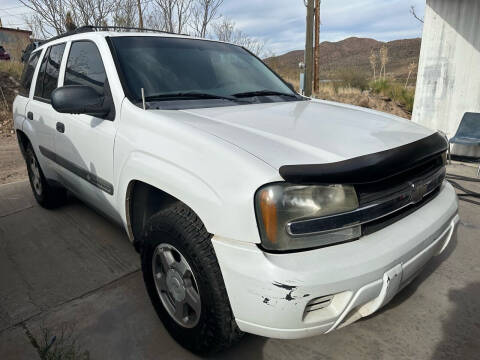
x: 188, y: 95
x: 262, y: 93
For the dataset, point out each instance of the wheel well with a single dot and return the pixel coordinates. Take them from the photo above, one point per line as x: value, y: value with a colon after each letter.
x: 23, y: 141
x: 143, y: 201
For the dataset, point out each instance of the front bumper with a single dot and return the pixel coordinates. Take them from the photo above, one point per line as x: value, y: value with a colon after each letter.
x: 312, y: 292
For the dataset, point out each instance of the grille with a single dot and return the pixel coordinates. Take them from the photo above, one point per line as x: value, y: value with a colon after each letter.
x: 379, y: 191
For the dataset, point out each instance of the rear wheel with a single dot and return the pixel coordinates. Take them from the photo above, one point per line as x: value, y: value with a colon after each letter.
x: 46, y: 195
x: 184, y: 282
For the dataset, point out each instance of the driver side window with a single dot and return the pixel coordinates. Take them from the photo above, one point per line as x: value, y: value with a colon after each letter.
x: 85, y: 67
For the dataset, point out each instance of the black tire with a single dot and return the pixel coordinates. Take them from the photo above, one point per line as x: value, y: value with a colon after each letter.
x: 216, y: 329
x: 46, y: 195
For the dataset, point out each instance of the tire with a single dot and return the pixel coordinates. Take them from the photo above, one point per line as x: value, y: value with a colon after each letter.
x: 46, y: 195
x: 178, y: 229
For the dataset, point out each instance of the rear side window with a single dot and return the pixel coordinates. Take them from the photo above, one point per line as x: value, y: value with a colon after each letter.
x: 50, y: 79
x: 41, y: 74
x: 47, y: 79
x: 27, y: 74
x: 85, y: 67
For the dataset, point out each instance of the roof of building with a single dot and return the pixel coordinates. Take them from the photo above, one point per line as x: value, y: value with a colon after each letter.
x: 18, y: 30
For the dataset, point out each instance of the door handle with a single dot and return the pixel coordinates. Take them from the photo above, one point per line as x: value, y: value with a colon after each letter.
x: 60, y: 127
x: 30, y: 115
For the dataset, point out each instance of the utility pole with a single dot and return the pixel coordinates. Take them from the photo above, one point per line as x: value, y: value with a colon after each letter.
x: 309, y: 48
x: 140, y: 16
x: 316, y: 68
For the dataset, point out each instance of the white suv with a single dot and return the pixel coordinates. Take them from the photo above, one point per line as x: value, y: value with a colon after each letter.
x: 254, y: 209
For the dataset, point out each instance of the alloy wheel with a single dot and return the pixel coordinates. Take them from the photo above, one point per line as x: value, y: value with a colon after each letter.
x: 176, y: 285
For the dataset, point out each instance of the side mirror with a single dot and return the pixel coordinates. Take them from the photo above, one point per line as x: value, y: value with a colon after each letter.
x: 290, y: 85
x: 80, y: 99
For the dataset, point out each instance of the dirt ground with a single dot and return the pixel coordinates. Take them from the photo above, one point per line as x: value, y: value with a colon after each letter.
x: 366, y: 99
x: 12, y: 165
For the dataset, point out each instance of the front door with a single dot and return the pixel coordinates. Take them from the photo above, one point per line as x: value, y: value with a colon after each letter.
x: 84, y: 146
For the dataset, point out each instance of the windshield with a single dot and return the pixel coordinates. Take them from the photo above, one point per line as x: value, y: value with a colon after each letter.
x: 176, y: 69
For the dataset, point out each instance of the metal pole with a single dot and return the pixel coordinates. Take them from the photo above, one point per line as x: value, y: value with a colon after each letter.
x: 309, y: 49
x: 316, y: 67
x: 140, y: 16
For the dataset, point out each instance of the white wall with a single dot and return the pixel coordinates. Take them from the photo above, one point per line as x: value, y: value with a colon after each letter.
x: 448, y: 83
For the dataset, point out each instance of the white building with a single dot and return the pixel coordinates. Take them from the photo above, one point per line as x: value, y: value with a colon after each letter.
x: 448, y: 82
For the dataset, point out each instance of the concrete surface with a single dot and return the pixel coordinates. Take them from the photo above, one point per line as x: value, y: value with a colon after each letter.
x: 72, y: 269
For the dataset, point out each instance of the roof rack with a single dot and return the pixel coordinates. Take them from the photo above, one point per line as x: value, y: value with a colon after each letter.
x: 92, y: 28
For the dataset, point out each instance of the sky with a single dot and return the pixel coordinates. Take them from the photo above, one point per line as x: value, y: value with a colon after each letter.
x: 281, y: 23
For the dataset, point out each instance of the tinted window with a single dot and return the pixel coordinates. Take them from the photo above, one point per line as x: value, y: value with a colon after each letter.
x: 41, y: 75
x: 85, y: 66
x: 27, y: 74
x: 50, y: 78
x: 170, y: 65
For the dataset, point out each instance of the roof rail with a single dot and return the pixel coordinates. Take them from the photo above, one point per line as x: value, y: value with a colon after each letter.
x: 91, y: 28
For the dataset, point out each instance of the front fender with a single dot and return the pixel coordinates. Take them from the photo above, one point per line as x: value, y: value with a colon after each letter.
x: 222, y: 212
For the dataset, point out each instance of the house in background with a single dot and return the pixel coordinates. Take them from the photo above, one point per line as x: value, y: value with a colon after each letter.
x: 14, y: 41
x: 448, y: 83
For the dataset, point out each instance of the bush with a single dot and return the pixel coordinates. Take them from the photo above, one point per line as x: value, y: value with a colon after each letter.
x: 395, y: 91
x: 380, y: 86
x: 12, y: 68
x: 352, y: 78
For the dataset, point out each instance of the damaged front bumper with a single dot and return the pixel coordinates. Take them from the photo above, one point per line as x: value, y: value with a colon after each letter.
x: 313, y: 292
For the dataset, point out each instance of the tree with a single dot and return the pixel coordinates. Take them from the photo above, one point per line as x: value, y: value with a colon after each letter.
x: 49, y: 16
x: 176, y: 14
x: 383, y: 60
x: 54, y: 17
x: 203, y: 12
x: 414, y: 14
x: 125, y: 14
x: 411, y: 69
x: 140, y: 15
x: 224, y: 30
x: 93, y: 12
x: 69, y: 24
x: 155, y: 20
x: 373, y: 63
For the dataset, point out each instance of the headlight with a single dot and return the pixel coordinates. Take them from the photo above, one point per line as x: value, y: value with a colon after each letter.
x: 280, y: 206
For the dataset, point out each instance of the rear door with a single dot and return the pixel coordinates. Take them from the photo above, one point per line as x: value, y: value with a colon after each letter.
x: 21, y: 101
x: 85, y: 148
x: 40, y: 114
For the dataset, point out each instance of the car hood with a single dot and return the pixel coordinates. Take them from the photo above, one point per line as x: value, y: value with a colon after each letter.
x: 306, y: 132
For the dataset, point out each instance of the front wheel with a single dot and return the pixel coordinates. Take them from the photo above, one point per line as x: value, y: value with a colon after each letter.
x: 184, y: 282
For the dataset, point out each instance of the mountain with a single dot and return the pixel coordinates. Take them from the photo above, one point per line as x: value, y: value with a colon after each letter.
x: 352, y: 53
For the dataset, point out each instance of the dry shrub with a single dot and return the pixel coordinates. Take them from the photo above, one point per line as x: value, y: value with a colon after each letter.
x: 351, y: 78
x: 11, y: 68
x: 294, y: 81
x: 404, y: 96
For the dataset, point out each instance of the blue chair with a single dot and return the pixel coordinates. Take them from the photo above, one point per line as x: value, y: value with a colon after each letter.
x: 468, y: 133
